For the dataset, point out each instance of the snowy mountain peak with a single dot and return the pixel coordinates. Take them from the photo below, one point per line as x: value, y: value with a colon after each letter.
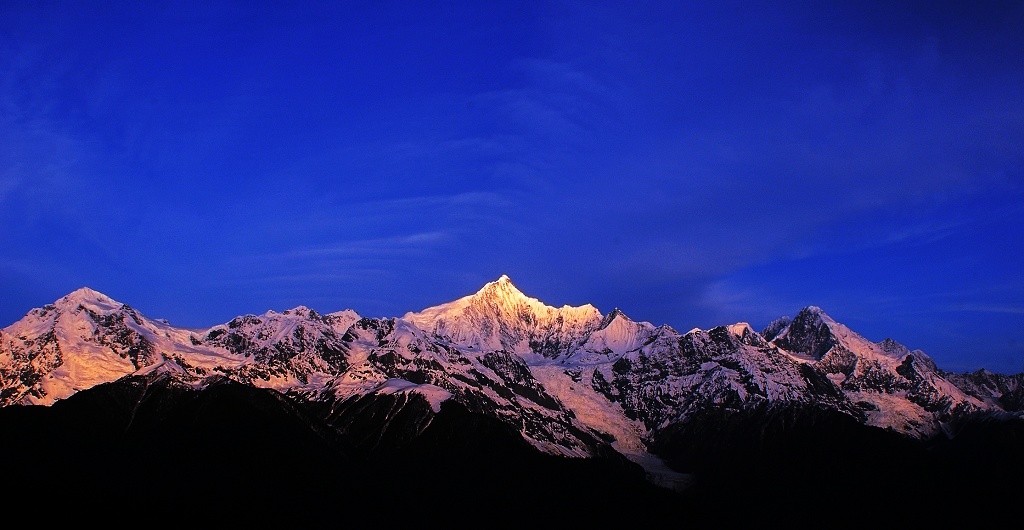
x: 88, y: 298
x: 740, y: 332
x: 740, y: 329
x: 813, y: 311
x: 496, y: 299
x: 612, y: 316
x: 301, y: 311
x: 813, y: 334
x: 617, y: 334
x: 500, y: 316
x: 809, y: 334
x: 85, y: 293
x: 775, y: 327
x: 898, y: 350
x: 503, y: 293
x: 341, y: 320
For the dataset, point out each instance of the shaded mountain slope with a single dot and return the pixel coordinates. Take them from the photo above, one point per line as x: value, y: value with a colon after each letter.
x: 135, y: 450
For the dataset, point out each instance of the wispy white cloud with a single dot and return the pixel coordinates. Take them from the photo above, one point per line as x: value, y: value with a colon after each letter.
x: 366, y: 248
x: 37, y: 150
x: 1008, y: 309
x: 432, y: 202
x: 560, y: 102
x: 338, y: 259
x: 38, y: 165
x: 349, y: 274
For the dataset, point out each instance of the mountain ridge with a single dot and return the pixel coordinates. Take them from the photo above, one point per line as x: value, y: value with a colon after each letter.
x: 497, y: 317
x: 567, y: 381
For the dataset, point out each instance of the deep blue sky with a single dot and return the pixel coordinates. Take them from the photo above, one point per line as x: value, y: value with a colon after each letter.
x: 693, y: 164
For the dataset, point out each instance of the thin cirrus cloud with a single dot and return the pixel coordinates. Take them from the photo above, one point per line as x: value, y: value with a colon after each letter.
x: 422, y: 214
x: 558, y: 107
x: 345, y: 267
x: 390, y: 247
x: 988, y: 308
x: 334, y: 242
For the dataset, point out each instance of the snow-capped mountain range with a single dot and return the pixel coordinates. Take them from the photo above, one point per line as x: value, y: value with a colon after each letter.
x: 571, y: 380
